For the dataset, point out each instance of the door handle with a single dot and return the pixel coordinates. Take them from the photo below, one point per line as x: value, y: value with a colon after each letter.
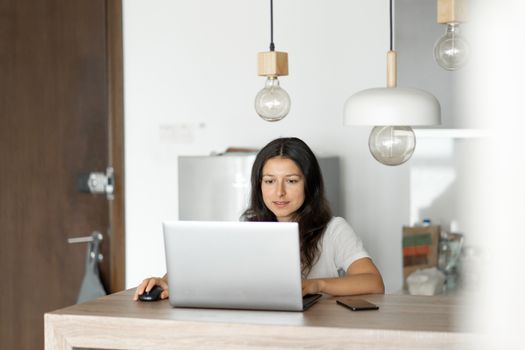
x: 95, y: 238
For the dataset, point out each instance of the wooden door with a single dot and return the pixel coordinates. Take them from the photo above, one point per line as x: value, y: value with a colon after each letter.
x: 60, y: 116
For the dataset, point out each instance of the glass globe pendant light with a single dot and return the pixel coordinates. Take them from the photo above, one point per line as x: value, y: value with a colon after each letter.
x: 392, y: 111
x: 392, y: 145
x: 272, y: 103
x: 452, y: 50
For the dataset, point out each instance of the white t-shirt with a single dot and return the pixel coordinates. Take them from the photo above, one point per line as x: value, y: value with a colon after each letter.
x: 338, y: 249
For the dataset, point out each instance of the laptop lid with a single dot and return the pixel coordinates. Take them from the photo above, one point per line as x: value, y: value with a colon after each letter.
x: 233, y: 265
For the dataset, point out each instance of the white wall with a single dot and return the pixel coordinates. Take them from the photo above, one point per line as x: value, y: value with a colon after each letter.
x: 190, y: 82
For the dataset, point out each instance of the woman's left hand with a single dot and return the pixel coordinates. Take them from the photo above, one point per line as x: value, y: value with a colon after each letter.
x: 312, y: 286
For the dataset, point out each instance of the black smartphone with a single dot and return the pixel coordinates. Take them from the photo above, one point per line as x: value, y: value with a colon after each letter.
x: 355, y: 304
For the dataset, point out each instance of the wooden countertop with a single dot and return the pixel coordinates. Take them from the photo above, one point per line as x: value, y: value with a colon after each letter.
x: 402, y: 321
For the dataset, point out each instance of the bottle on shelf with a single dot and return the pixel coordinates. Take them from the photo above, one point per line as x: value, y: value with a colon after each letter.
x: 443, y: 251
x: 449, y: 252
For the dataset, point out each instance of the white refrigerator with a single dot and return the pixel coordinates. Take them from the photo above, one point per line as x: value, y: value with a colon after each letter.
x: 217, y: 187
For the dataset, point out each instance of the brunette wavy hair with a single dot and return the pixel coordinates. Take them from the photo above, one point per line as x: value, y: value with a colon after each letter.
x: 315, y: 213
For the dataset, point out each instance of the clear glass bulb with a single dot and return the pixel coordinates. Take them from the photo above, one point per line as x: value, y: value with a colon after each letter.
x: 392, y: 145
x: 452, y: 51
x: 272, y: 103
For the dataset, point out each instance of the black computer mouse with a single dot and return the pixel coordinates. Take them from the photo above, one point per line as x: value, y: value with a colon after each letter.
x: 152, y: 295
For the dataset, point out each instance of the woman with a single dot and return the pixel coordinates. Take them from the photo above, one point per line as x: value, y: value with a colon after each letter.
x: 287, y: 185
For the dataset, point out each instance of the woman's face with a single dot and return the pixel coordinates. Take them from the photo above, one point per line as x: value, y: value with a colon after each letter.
x: 282, y: 187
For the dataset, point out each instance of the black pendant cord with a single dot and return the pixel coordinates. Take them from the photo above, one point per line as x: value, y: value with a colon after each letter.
x: 391, y: 29
x: 272, y: 45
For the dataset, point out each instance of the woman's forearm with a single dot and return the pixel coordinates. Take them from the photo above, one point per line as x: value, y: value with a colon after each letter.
x: 363, y: 283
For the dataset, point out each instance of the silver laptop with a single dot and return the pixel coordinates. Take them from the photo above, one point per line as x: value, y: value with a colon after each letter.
x: 234, y: 265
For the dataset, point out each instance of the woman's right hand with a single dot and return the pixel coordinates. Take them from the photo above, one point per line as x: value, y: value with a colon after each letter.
x: 149, y: 283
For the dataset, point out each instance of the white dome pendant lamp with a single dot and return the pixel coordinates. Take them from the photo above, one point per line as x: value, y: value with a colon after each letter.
x: 272, y: 103
x: 392, y: 111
